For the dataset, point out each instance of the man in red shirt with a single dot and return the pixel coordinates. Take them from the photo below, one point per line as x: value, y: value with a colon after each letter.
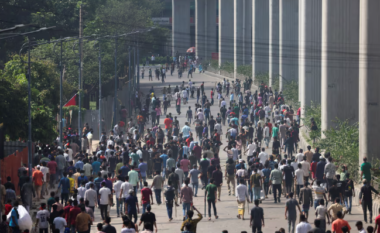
x: 189, y: 140
x: 313, y: 169
x: 38, y: 181
x: 168, y: 123
x: 8, y: 207
x: 66, y: 210
x: 145, y: 193
x: 52, y: 165
x: 74, y: 211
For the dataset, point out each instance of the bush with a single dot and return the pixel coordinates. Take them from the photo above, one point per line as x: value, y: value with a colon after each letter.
x: 245, y: 70
x: 343, y: 144
x: 290, y: 92
x: 313, y: 111
x: 214, y: 64
x: 228, y: 67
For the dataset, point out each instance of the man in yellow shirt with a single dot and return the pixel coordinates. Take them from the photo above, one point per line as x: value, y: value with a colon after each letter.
x: 76, y: 176
x: 336, y: 207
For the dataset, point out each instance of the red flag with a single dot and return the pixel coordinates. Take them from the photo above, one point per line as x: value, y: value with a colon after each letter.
x: 72, y: 102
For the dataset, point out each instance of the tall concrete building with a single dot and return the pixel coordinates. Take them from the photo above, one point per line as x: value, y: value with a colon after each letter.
x: 273, y: 39
x: 260, y: 37
x: 288, y: 41
x: 205, y: 28
x: 309, y: 58
x: 369, y: 76
x: 340, y: 59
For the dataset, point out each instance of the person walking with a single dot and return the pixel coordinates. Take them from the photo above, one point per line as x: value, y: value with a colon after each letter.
x: 217, y: 175
x: 257, y: 218
x: 365, y: 199
x: 291, y: 212
x: 42, y: 222
x: 229, y: 175
x: 303, y: 226
x: 306, y: 199
x: 321, y: 214
x: 211, y: 193
x: 149, y: 220
x: 157, y: 185
x: 146, y: 197
x: 105, y: 198
x: 339, y: 223
x: 241, y: 197
x: 256, y: 183
x: 132, y: 206
x: 275, y: 181
x: 169, y: 196
x: 194, y: 175
x: 83, y: 221
x: 91, y: 196
x: 349, y: 192
x: 186, y: 198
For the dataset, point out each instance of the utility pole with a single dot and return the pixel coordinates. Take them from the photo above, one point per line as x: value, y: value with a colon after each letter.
x: 100, y: 92
x: 115, y: 95
x: 60, y: 99
x: 80, y: 36
x: 80, y: 74
x: 30, y: 158
x: 138, y: 65
x: 129, y: 80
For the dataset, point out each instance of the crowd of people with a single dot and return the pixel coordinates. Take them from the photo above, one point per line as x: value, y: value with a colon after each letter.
x: 178, y: 160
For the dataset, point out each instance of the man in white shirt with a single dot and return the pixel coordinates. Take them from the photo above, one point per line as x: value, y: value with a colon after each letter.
x: 42, y: 219
x: 306, y: 169
x: 60, y: 223
x: 241, y: 197
x: 45, y: 172
x: 251, y: 148
x: 117, y: 191
x: 303, y: 226
x: 200, y: 115
x: 180, y: 173
x: 299, y: 156
x: 124, y: 191
x: 263, y: 156
x: 110, y: 142
x: 105, y: 198
x: 184, y: 96
x: 299, y: 178
x: 223, y: 103
x: 91, y: 196
x: 81, y: 190
x: 186, y: 131
x: 70, y: 152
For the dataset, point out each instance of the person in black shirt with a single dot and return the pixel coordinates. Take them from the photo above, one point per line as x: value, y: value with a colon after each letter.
x: 204, y: 164
x: 149, y: 219
x: 157, y: 163
x: 288, y: 172
x: 211, y: 169
x: 211, y: 123
x: 169, y: 196
x: 112, y: 162
x: 334, y: 192
x: 9, y: 184
x: 276, y: 146
x: 316, y: 155
x: 107, y: 228
x: 349, y: 192
x: 365, y: 199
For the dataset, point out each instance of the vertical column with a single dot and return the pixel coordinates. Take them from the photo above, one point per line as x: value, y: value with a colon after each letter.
x: 309, y: 59
x: 210, y: 29
x: 260, y: 37
x: 273, y: 39
x: 369, y: 76
x: 238, y: 34
x: 200, y: 28
x: 288, y: 41
x: 180, y: 26
x: 247, y: 32
x: 340, y: 48
x: 226, y: 31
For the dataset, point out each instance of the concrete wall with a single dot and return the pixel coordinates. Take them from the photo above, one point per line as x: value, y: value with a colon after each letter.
x: 309, y: 58
x: 260, y: 37
x: 273, y: 39
x: 340, y: 41
x: 180, y: 26
x: 226, y: 31
x: 238, y: 34
x: 369, y: 76
x: 205, y: 28
x: 288, y: 41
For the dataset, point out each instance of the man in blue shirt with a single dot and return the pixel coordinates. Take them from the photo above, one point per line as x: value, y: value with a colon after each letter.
x: 266, y: 172
x: 164, y: 157
x: 125, y: 169
x: 14, y: 218
x: 82, y: 178
x: 321, y: 169
x: 142, y: 167
x: 206, y: 111
x: 65, y: 182
x: 79, y: 164
x: 95, y: 166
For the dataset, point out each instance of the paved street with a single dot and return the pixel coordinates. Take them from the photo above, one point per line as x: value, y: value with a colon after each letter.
x: 227, y: 208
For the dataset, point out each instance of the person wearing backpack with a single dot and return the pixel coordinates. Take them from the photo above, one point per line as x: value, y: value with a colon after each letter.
x: 169, y: 196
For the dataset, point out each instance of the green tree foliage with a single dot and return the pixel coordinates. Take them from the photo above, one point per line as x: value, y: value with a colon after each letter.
x: 45, y: 98
x: 290, y: 92
x: 313, y: 111
x: 343, y: 144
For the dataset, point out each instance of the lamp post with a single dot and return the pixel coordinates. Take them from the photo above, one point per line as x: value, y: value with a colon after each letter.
x: 115, y: 95
x: 100, y: 92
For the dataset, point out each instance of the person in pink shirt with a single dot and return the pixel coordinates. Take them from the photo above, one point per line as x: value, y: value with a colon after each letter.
x: 185, y: 163
x: 158, y: 114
